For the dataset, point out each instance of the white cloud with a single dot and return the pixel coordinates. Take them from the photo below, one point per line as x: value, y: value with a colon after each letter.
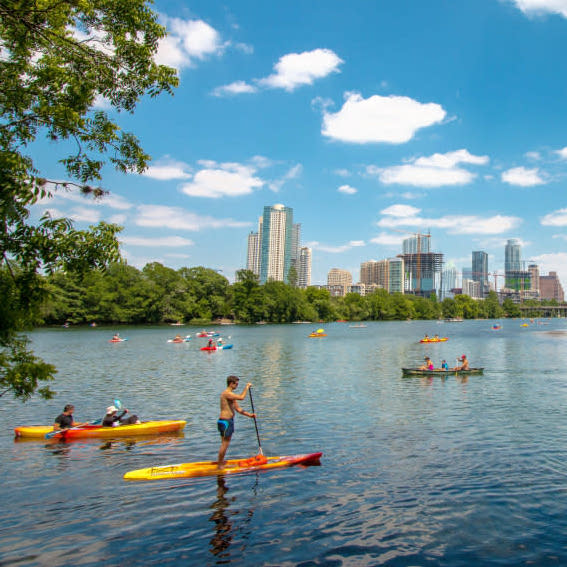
x: 186, y: 41
x: 166, y: 241
x: 433, y: 171
x: 293, y: 173
x: 219, y: 180
x: 562, y: 153
x: 522, y: 177
x: 161, y: 216
x: 542, y: 6
x: 335, y: 249
x: 236, y: 88
x: 535, y: 156
x: 398, y: 216
x: 393, y: 119
x: 388, y: 239
x: 347, y: 189
x: 556, y: 218
x: 166, y: 169
x: 84, y: 214
x: 400, y: 211
x: 296, y: 69
x: 342, y: 172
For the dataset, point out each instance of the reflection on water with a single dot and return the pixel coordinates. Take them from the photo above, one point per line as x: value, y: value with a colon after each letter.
x: 222, y: 538
x: 430, y: 470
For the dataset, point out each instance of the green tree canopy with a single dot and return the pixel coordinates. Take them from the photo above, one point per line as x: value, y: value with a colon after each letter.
x: 57, y: 58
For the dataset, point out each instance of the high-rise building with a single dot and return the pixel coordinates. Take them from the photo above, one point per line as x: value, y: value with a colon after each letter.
x: 275, y: 236
x: 550, y: 287
x: 422, y: 267
x: 375, y: 272
x: 515, y: 278
x: 304, y: 267
x: 448, y: 281
x: 396, y: 280
x: 338, y: 281
x: 533, y: 270
x: 254, y: 247
x: 480, y: 271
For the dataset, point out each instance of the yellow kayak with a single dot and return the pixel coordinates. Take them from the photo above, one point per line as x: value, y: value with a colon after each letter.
x: 211, y: 468
x: 98, y: 431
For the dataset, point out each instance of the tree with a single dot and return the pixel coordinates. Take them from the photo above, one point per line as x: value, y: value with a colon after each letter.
x: 56, y: 59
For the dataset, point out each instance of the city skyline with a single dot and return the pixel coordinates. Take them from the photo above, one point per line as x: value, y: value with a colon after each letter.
x: 372, y: 121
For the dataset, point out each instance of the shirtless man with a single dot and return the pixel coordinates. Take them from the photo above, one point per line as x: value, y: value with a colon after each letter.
x: 228, y: 405
x: 464, y: 363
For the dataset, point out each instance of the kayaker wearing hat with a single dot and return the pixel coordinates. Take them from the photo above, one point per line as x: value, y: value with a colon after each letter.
x: 464, y: 363
x: 112, y: 419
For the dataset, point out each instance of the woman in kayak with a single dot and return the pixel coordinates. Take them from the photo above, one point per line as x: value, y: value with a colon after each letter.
x: 112, y: 419
x: 228, y: 405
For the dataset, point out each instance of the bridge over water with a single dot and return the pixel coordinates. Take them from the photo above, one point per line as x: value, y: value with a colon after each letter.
x: 545, y: 310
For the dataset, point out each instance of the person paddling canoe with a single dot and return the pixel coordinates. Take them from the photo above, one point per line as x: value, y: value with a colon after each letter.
x: 228, y: 405
x: 464, y: 363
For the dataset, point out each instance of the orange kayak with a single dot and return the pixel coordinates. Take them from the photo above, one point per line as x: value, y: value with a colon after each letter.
x: 98, y: 431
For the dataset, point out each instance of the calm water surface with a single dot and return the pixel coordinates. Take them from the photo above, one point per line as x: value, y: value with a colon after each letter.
x: 415, y: 471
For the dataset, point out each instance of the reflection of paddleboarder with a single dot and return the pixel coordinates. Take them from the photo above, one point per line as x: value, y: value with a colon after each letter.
x: 222, y: 538
x: 228, y: 405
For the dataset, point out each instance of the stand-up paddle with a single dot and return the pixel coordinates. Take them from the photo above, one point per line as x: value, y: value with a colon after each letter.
x: 255, y: 422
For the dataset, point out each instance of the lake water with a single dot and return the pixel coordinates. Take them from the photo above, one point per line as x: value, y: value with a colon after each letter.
x: 415, y: 471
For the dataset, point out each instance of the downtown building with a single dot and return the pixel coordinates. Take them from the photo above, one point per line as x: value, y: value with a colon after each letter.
x: 423, y: 268
x: 275, y: 249
x: 385, y: 274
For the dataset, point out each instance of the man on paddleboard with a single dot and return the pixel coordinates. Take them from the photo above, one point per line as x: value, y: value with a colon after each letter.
x: 228, y: 405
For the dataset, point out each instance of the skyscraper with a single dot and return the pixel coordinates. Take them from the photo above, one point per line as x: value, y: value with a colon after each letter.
x: 480, y: 271
x: 304, y: 268
x: 516, y: 278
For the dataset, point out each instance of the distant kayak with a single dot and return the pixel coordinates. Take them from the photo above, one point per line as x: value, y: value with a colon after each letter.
x: 435, y: 340
x: 182, y: 340
x: 233, y: 466
x: 218, y: 347
x: 98, y: 431
x: 117, y: 340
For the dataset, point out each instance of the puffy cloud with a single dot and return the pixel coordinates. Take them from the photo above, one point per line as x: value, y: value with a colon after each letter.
x: 433, y: 171
x: 400, y: 211
x: 542, y: 6
x: 347, y: 189
x: 296, y: 69
x: 219, y: 180
x: 166, y: 241
x: 388, y: 239
x: 236, y: 88
x: 186, y: 41
x: 556, y: 218
x: 562, y: 153
x: 398, y: 216
x: 392, y: 119
x: 167, y: 169
x: 522, y: 177
x: 161, y: 216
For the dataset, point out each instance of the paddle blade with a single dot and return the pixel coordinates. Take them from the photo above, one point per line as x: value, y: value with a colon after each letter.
x: 118, y: 404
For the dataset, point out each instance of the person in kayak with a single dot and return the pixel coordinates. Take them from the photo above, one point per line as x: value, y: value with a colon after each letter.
x: 112, y: 419
x: 65, y: 420
x: 228, y: 405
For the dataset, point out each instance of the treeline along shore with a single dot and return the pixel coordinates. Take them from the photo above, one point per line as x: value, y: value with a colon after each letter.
x: 157, y: 294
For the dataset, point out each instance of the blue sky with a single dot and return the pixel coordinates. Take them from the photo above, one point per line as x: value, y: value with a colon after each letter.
x: 372, y: 120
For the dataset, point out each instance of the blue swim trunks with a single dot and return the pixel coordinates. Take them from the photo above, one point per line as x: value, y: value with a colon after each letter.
x: 225, y: 427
